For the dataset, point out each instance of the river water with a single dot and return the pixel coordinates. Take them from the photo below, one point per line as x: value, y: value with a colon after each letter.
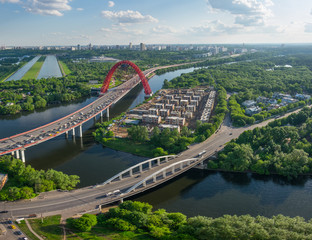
x: 21, y: 72
x: 196, y: 192
x: 50, y: 68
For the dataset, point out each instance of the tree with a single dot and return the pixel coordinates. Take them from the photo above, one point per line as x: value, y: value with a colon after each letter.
x: 85, y: 222
x: 157, y: 152
x: 138, y: 133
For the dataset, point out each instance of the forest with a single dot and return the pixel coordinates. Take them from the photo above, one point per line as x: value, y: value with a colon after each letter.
x: 282, y: 147
x: 133, y: 216
x: 251, y: 79
x: 28, y: 95
x: 25, y: 182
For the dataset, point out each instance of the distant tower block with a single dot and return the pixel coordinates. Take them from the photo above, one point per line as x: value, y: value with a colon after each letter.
x: 130, y: 45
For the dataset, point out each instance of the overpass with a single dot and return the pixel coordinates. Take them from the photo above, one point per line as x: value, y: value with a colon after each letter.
x: 134, y: 180
x: 18, y: 143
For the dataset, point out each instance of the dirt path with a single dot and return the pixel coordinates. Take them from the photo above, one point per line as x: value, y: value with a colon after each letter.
x: 33, y: 232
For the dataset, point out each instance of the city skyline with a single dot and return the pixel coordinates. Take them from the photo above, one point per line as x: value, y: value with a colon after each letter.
x: 65, y: 22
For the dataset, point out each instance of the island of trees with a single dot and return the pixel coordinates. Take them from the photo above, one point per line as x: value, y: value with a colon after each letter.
x: 25, y: 182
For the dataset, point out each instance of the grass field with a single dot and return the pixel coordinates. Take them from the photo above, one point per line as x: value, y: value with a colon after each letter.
x: 5, y: 78
x: 65, y: 70
x: 26, y: 230
x: 51, y: 229
x: 126, y: 145
x: 34, y: 70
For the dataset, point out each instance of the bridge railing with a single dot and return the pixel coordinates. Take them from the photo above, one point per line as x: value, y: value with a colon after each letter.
x: 140, y: 165
x: 163, y: 171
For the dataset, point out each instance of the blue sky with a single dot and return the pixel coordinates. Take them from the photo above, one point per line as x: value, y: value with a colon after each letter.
x: 102, y: 22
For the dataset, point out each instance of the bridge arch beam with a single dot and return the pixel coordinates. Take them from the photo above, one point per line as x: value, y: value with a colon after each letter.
x: 163, y: 173
x: 140, y: 166
x: 144, y: 81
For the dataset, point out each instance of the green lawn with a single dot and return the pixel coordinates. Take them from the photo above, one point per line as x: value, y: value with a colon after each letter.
x: 126, y: 145
x: 34, y: 70
x: 52, y: 230
x: 65, y: 70
x: 26, y: 230
x: 49, y: 228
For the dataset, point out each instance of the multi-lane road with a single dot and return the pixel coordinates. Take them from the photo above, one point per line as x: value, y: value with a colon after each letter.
x: 19, y: 142
x: 69, y: 203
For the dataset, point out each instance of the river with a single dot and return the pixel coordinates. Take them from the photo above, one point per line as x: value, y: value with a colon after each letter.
x: 50, y: 68
x: 196, y: 192
x: 21, y: 72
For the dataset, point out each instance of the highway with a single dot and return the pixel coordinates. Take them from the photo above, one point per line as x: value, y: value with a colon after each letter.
x: 69, y: 203
x: 19, y: 142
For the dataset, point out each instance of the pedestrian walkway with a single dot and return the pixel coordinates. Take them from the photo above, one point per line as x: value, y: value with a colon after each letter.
x: 33, y: 232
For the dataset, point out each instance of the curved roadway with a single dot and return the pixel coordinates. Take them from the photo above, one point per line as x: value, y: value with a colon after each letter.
x: 87, y: 199
x: 41, y: 134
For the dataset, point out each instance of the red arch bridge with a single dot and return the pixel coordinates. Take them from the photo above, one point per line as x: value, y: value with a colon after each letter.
x: 18, y: 143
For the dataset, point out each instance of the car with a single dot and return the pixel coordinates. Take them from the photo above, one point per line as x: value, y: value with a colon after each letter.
x: 3, y: 211
x: 10, y: 222
x: 13, y: 227
x: 231, y: 133
x: 18, y: 233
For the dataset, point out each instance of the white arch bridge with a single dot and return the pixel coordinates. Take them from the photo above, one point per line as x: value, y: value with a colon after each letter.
x: 146, y: 175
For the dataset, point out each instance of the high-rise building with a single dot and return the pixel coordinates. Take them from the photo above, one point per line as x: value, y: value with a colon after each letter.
x: 78, y: 47
x: 130, y: 45
x: 142, y: 47
x: 90, y: 46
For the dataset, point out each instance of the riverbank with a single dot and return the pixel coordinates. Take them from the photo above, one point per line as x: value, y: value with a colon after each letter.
x: 119, y: 223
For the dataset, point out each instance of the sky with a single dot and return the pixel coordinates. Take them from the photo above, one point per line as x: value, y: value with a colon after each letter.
x: 103, y: 22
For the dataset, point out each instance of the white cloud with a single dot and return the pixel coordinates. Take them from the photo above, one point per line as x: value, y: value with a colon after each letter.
x: 43, y: 7
x: 47, y: 7
x: 163, y: 29
x: 246, y: 12
x: 308, y: 28
x: 249, y: 20
x: 10, y: 1
x: 216, y: 27
x: 128, y: 16
x: 79, y: 9
x: 111, y: 4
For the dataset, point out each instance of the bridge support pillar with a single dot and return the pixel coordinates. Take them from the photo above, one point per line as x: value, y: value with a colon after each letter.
x: 144, y: 184
x: 164, y: 174
x: 120, y: 177
x: 23, y: 156
x: 121, y: 200
x: 173, y: 170
x: 150, y: 164
x: 66, y: 134
x: 131, y: 172
x: 141, y: 168
x: 158, y: 161
x: 107, y: 112
x: 17, y: 154
x: 181, y: 166
x: 80, y: 130
x: 12, y: 153
x: 154, y: 178
x: 73, y: 132
x: 101, y: 114
x: 166, y: 159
